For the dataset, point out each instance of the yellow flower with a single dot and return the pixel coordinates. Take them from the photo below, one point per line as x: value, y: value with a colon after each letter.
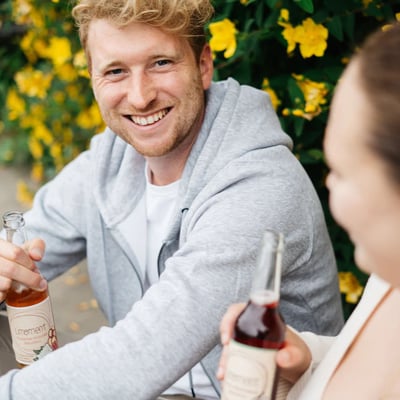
x: 289, y: 32
x: 66, y: 72
x: 366, y: 3
x: 314, y: 95
x: 312, y: 38
x: 244, y: 2
x: 59, y: 50
x: 284, y: 14
x: 27, y: 121
x: 389, y: 26
x: 80, y: 63
x: 15, y: 105
x: 33, y: 83
x: 56, y: 151
x: 37, y: 172
x: 90, y: 118
x: 350, y: 286
x: 24, y: 13
x: 40, y: 132
x: 24, y: 195
x: 223, y: 37
x: 80, y: 59
x: 26, y: 45
x: 35, y: 148
x: 272, y: 94
x: 40, y: 47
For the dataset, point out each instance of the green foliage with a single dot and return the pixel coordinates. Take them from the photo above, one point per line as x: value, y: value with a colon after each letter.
x: 293, y: 49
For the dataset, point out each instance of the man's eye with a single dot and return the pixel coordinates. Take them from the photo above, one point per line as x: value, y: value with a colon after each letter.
x: 161, y: 63
x: 116, y: 71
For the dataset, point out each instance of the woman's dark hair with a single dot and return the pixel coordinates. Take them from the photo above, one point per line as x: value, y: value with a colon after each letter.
x: 379, y: 61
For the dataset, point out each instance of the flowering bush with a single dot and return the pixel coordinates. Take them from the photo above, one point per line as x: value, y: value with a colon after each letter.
x: 50, y: 114
x: 295, y: 50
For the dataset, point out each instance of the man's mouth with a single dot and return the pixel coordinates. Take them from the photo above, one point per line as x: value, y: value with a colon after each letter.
x: 149, y: 119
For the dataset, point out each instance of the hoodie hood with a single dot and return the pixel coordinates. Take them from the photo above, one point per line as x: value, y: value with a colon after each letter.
x: 239, y: 119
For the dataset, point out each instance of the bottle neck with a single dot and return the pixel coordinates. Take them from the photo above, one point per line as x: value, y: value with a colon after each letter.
x: 14, y: 226
x: 267, y: 277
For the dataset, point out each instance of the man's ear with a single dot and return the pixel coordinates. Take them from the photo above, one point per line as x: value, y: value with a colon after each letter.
x: 206, y: 66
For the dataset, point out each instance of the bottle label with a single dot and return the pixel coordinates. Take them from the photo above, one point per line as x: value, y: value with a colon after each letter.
x: 32, y: 331
x: 250, y: 373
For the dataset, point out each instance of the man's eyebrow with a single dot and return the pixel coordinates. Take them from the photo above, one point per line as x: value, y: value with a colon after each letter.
x: 109, y: 65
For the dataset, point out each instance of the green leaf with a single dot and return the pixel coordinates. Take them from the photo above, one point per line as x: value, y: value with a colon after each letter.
x: 260, y: 15
x: 298, y: 126
x: 348, y: 25
x: 271, y: 3
x: 335, y: 27
x: 295, y: 93
x: 316, y: 154
x: 306, y: 5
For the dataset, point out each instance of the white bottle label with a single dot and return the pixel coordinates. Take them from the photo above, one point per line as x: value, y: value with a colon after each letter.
x: 32, y: 331
x: 250, y: 373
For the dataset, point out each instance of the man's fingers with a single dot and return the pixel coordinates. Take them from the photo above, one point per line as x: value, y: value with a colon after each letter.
x: 11, y: 271
x: 5, y: 284
x: 17, y: 265
x: 36, y: 248
x: 15, y: 254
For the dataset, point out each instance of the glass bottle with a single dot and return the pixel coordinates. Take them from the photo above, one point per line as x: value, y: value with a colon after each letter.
x: 29, y: 311
x: 259, y: 331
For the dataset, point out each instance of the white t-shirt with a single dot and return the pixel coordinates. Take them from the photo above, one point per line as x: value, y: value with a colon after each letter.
x: 145, y: 230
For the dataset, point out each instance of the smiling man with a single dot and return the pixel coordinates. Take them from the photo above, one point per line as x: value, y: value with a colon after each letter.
x: 168, y: 205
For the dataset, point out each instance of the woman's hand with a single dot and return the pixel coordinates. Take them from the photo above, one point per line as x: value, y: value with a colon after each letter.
x: 18, y: 264
x: 293, y: 359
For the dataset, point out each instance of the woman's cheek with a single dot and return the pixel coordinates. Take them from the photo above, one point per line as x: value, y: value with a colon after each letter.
x: 335, y: 206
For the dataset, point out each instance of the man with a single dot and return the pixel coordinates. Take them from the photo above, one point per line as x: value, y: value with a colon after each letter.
x: 169, y: 205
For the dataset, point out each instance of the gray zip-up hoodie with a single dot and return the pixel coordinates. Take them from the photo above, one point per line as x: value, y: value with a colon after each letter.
x: 240, y: 179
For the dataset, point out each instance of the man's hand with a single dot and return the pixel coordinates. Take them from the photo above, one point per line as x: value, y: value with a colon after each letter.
x: 18, y: 264
x: 293, y: 359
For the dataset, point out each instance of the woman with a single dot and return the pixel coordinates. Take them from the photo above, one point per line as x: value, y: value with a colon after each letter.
x: 362, y: 148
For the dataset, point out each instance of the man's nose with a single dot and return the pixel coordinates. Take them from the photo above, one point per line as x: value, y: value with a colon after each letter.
x: 141, y: 90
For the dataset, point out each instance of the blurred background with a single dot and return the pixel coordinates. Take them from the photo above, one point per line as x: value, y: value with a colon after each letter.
x: 293, y: 49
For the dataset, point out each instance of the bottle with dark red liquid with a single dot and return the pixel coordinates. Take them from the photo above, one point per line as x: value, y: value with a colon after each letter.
x: 259, y: 332
x: 29, y: 311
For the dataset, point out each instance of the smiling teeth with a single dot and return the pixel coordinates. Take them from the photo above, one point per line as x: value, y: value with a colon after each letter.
x: 151, y: 119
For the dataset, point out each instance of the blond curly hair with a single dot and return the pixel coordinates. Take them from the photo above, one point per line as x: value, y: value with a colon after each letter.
x: 185, y: 18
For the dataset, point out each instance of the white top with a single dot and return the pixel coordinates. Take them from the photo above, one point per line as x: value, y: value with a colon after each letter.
x: 145, y: 230
x: 328, y: 352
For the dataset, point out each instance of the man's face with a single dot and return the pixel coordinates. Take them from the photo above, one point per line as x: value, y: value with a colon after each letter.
x: 149, y: 86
